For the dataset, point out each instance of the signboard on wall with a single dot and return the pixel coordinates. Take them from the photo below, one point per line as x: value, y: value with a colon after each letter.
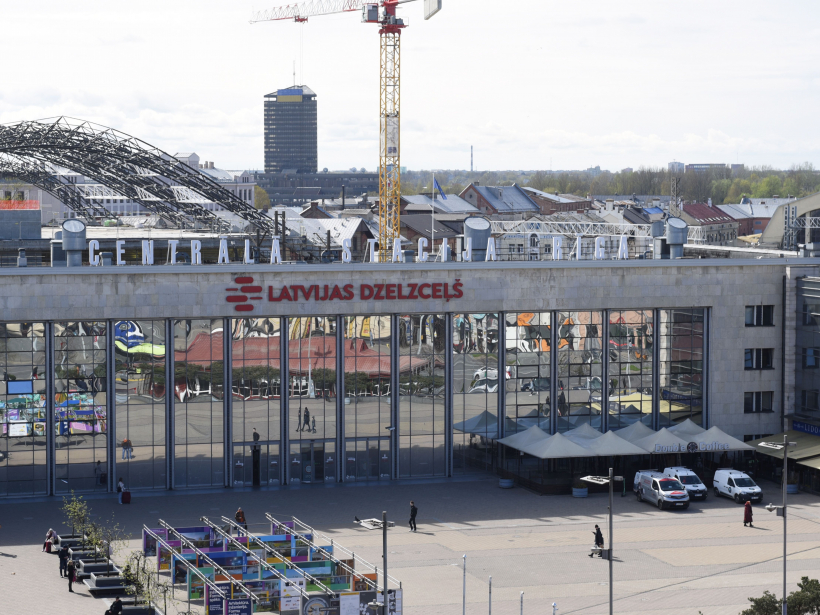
x: 806, y: 428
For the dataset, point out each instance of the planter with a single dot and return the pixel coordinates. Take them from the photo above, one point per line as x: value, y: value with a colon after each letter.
x: 791, y: 488
x: 580, y: 492
x: 139, y: 610
x: 506, y: 483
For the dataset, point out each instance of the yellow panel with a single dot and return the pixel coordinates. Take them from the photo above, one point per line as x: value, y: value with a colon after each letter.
x: 288, y: 99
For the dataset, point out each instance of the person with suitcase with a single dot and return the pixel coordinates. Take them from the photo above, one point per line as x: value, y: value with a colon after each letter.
x: 120, y: 489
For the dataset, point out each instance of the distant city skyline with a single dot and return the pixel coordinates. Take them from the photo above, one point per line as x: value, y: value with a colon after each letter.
x: 640, y: 84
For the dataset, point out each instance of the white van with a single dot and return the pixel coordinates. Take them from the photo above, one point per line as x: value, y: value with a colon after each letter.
x: 690, y: 481
x: 736, y: 485
x: 661, y: 490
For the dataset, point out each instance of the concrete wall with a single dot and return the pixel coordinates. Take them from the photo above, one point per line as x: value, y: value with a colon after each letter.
x: 19, y: 224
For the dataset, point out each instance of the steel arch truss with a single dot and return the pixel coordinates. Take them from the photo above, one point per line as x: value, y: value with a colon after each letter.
x: 126, y: 166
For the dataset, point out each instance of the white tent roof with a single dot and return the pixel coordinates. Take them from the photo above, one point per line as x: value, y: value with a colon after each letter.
x: 524, y: 438
x: 636, y: 431
x: 715, y: 434
x: 583, y: 434
x: 663, y: 438
x: 687, y: 429
x: 485, y: 424
x: 612, y: 444
x: 555, y: 447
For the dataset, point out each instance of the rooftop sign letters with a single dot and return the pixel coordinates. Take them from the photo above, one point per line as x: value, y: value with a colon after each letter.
x: 692, y: 447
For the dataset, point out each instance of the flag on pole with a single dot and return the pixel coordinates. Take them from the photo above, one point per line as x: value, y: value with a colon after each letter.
x: 437, y: 187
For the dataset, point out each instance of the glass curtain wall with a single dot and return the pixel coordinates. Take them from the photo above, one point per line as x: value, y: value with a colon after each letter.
x: 527, y: 383
x: 475, y: 390
x: 367, y: 402
x: 312, y: 398
x: 630, y: 367
x: 140, y: 389
x: 198, y: 403
x: 22, y: 409
x: 681, y: 366
x: 80, y: 405
x: 579, y: 369
x: 421, y: 395
x: 256, y: 393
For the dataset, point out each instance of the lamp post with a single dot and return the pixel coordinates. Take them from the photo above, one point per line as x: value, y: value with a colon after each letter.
x: 607, y: 553
x: 781, y: 510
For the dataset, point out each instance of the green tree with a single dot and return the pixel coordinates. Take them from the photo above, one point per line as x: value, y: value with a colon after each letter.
x: 108, y: 538
x: 77, y: 513
x: 767, y: 187
x: 539, y: 180
x: 261, y: 200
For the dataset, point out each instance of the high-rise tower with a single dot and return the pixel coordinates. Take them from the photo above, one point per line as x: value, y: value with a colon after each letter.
x: 290, y: 130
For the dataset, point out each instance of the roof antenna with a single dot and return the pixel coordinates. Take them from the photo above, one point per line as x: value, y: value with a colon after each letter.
x: 294, y: 73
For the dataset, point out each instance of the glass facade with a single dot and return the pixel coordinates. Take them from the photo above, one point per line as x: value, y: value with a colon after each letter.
x: 312, y: 398
x: 681, y: 366
x: 422, y: 395
x: 140, y: 389
x: 256, y: 391
x: 807, y: 374
x: 631, y: 357
x: 368, y: 397
x: 290, y: 131
x: 199, y: 411
x: 475, y: 390
x: 80, y: 405
x: 528, y: 340
x: 580, y: 369
x: 22, y: 409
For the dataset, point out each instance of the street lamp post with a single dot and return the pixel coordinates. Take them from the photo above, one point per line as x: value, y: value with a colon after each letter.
x: 607, y: 553
x: 781, y: 510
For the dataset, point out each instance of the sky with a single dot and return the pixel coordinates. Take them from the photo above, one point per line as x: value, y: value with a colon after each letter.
x: 534, y: 84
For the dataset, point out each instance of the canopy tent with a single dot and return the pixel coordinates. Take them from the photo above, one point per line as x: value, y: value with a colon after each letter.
x: 485, y: 424
x: 688, y: 429
x: 807, y: 445
x: 661, y: 442
x: 555, y: 447
x: 811, y: 462
x: 583, y: 434
x: 612, y: 444
x: 525, y: 438
x: 717, y: 435
x: 635, y: 432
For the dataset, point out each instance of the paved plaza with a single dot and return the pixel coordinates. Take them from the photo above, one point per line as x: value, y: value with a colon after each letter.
x: 680, y: 562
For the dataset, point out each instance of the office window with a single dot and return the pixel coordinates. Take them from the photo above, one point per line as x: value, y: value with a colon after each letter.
x: 759, y: 358
x: 759, y: 315
x: 811, y: 356
x: 809, y: 401
x: 759, y: 401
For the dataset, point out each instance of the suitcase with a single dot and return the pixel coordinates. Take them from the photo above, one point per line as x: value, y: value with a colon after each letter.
x: 126, y: 497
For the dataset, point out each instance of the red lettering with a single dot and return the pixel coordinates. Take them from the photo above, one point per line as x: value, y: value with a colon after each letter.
x: 366, y: 292
x: 413, y: 294
x: 348, y: 288
x: 390, y: 292
x: 447, y: 294
x: 323, y: 298
x: 270, y: 295
x: 401, y: 294
x: 457, y: 292
x: 285, y: 294
x: 335, y: 294
x: 437, y: 288
x: 379, y: 292
x: 421, y: 289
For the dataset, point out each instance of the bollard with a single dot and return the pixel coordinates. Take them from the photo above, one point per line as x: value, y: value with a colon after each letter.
x: 491, y: 595
x: 464, y: 587
x: 522, y: 603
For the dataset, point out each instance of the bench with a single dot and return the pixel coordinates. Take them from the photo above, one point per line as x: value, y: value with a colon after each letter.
x: 99, y: 584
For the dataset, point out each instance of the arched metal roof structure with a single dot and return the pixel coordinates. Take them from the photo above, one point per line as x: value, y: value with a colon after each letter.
x: 127, y: 167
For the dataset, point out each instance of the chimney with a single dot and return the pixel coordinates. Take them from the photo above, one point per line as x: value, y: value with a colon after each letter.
x: 610, y: 204
x: 211, y: 164
x: 22, y: 261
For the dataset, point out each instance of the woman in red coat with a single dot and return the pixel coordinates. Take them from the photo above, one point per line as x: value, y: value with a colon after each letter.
x: 747, y: 514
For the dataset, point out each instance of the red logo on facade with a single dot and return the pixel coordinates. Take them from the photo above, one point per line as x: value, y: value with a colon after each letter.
x: 248, y: 293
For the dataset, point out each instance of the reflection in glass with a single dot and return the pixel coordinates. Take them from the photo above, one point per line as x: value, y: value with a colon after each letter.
x: 198, y: 403
x: 579, y: 369
x: 630, y: 367
x: 81, y: 419
x: 475, y: 390
x: 421, y: 395
x: 256, y: 394
x: 681, y: 366
x: 312, y: 398
x: 140, y: 388
x: 527, y: 385
x: 22, y: 409
x: 367, y: 397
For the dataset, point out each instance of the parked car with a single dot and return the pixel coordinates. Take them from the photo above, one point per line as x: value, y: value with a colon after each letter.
x: 736, y: 485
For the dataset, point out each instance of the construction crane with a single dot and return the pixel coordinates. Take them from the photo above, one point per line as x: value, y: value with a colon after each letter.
x: 383, y: 14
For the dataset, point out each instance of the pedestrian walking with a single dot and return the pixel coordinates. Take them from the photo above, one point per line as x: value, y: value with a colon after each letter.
x: 299, y: 422
x: 255, y: 435
x: 49, y: 541
x: 599, y: 542
x: 71, y: 573
x: 120, y: 489
x: 413, y: 512
x: 306, y: 426
x: 240, y: 518
x: 747, y: 514
x: 63, y: 555
x: 313, y: 424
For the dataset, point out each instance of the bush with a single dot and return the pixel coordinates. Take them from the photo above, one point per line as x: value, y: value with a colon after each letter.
x: 805, y: 601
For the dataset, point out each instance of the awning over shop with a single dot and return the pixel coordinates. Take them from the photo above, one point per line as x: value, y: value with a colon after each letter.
x: 485, y: 424
x: 811, y: 462
x: 611, y: 444
x: 709, y: 439
x: 636, y: 431
x: 583, y: 434
x: 687, y: 430
x: 525, y: 438
x: 662, y: 441
x: 807, y: 445
x: 556, y: 447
